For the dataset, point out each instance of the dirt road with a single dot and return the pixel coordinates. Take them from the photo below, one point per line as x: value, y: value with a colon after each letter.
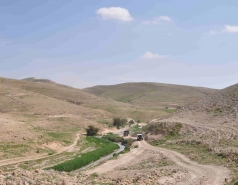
x: 41, y: 156
x: 197, y: 173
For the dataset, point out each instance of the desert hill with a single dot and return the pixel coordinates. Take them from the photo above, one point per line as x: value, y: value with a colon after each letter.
x: 40, y: 117
x: 219, y: 107
x: 33, y: 79
x: 206, y: 130
x: 151, y: 94
x: 34, y: 123
x: 84, y: 99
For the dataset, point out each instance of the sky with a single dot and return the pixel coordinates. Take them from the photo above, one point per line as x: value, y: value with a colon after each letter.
x: 83, y: 43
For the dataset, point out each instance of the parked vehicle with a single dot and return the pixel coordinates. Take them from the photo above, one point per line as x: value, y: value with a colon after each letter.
x: 126, y: 133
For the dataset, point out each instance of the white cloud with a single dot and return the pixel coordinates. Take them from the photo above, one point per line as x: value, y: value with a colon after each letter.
x: 150, y: 56
x: 227, y: 29
x: 231, y: 29
x: 158, y: 20
x: 164, y: 18
x: 116, y: 13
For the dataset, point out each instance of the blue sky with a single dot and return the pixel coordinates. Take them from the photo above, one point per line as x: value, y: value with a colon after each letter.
x: 101, y: 42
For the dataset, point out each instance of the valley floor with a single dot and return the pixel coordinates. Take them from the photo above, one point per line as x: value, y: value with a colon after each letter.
x: 144, y: 164
x: 153, y: 165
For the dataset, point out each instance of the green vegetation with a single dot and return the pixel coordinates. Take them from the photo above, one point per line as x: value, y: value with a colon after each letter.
x: 91, y: 130
x: 105, y: 147
x: 135, y: 129
x: 170, y: 110
x: 163, y: 128
x: 119, y: 122
x: 113, y: 137
x: 198, y: 152
x: 13, y: 150
x: 60, y: 136
x: 127, y: 143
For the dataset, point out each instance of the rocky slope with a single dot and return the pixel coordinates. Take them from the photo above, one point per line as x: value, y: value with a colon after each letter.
x: 219, y: 107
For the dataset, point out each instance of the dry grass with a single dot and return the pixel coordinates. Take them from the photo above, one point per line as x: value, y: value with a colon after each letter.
x: 150, y: 95
x: 34, y: 114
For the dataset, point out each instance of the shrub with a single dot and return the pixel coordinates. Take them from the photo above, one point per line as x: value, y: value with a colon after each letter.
x: 119, y: 122
x: 113, y: 137
x: 131, y: 122
x: 127, y: 142
x: 163, y: 128
x: 91, y: 130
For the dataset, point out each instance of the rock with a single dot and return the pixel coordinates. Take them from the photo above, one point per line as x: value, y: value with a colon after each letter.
x: 25, y: 183
x: 25, y: 174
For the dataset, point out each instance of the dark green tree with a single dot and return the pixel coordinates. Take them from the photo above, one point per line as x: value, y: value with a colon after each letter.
x: 119, y: 122
x: 91, y: 130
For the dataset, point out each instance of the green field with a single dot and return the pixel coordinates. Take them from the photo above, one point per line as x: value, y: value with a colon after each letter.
x: 104, y: 147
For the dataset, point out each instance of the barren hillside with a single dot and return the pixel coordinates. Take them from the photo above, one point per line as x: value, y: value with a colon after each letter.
x: 81, y: 98
x: 151, y: 94
x: 219, y: 107
x: 33, y: 123
x: 206, y: 130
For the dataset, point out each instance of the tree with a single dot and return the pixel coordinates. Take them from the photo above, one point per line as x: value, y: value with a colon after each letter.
x: 119, y: 122
x: 91, y: 130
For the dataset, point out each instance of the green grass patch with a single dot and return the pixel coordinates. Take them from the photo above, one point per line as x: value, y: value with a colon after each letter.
x: 170, y: 110
x: 15, y: 150
x: 105, y: 147
x: 105, y: 122
x: 64, y: 137
x: 163, y: 128
x: 113, y: 137
x: 135, y: 128
x: 199, y: 153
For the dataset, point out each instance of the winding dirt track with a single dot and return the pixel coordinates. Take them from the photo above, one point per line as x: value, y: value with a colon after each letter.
x: 215, y: 175
x: 201, y: 174
x: 36, y: 157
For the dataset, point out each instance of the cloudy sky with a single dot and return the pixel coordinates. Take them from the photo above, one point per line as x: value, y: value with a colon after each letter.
x: 84, y: 43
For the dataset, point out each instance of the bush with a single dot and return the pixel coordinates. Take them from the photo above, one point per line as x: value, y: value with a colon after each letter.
x: 113, y: 137
x: 163, y: 128
x: 127, y: 142
x: 131, y: 121
x: 91, y: 130
x: 119, y: 122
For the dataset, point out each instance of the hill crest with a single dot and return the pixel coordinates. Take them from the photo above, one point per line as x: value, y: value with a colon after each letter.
x: 148, y: 94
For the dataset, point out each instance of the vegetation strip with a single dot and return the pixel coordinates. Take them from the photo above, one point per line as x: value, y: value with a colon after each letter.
x: 105, y: 147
